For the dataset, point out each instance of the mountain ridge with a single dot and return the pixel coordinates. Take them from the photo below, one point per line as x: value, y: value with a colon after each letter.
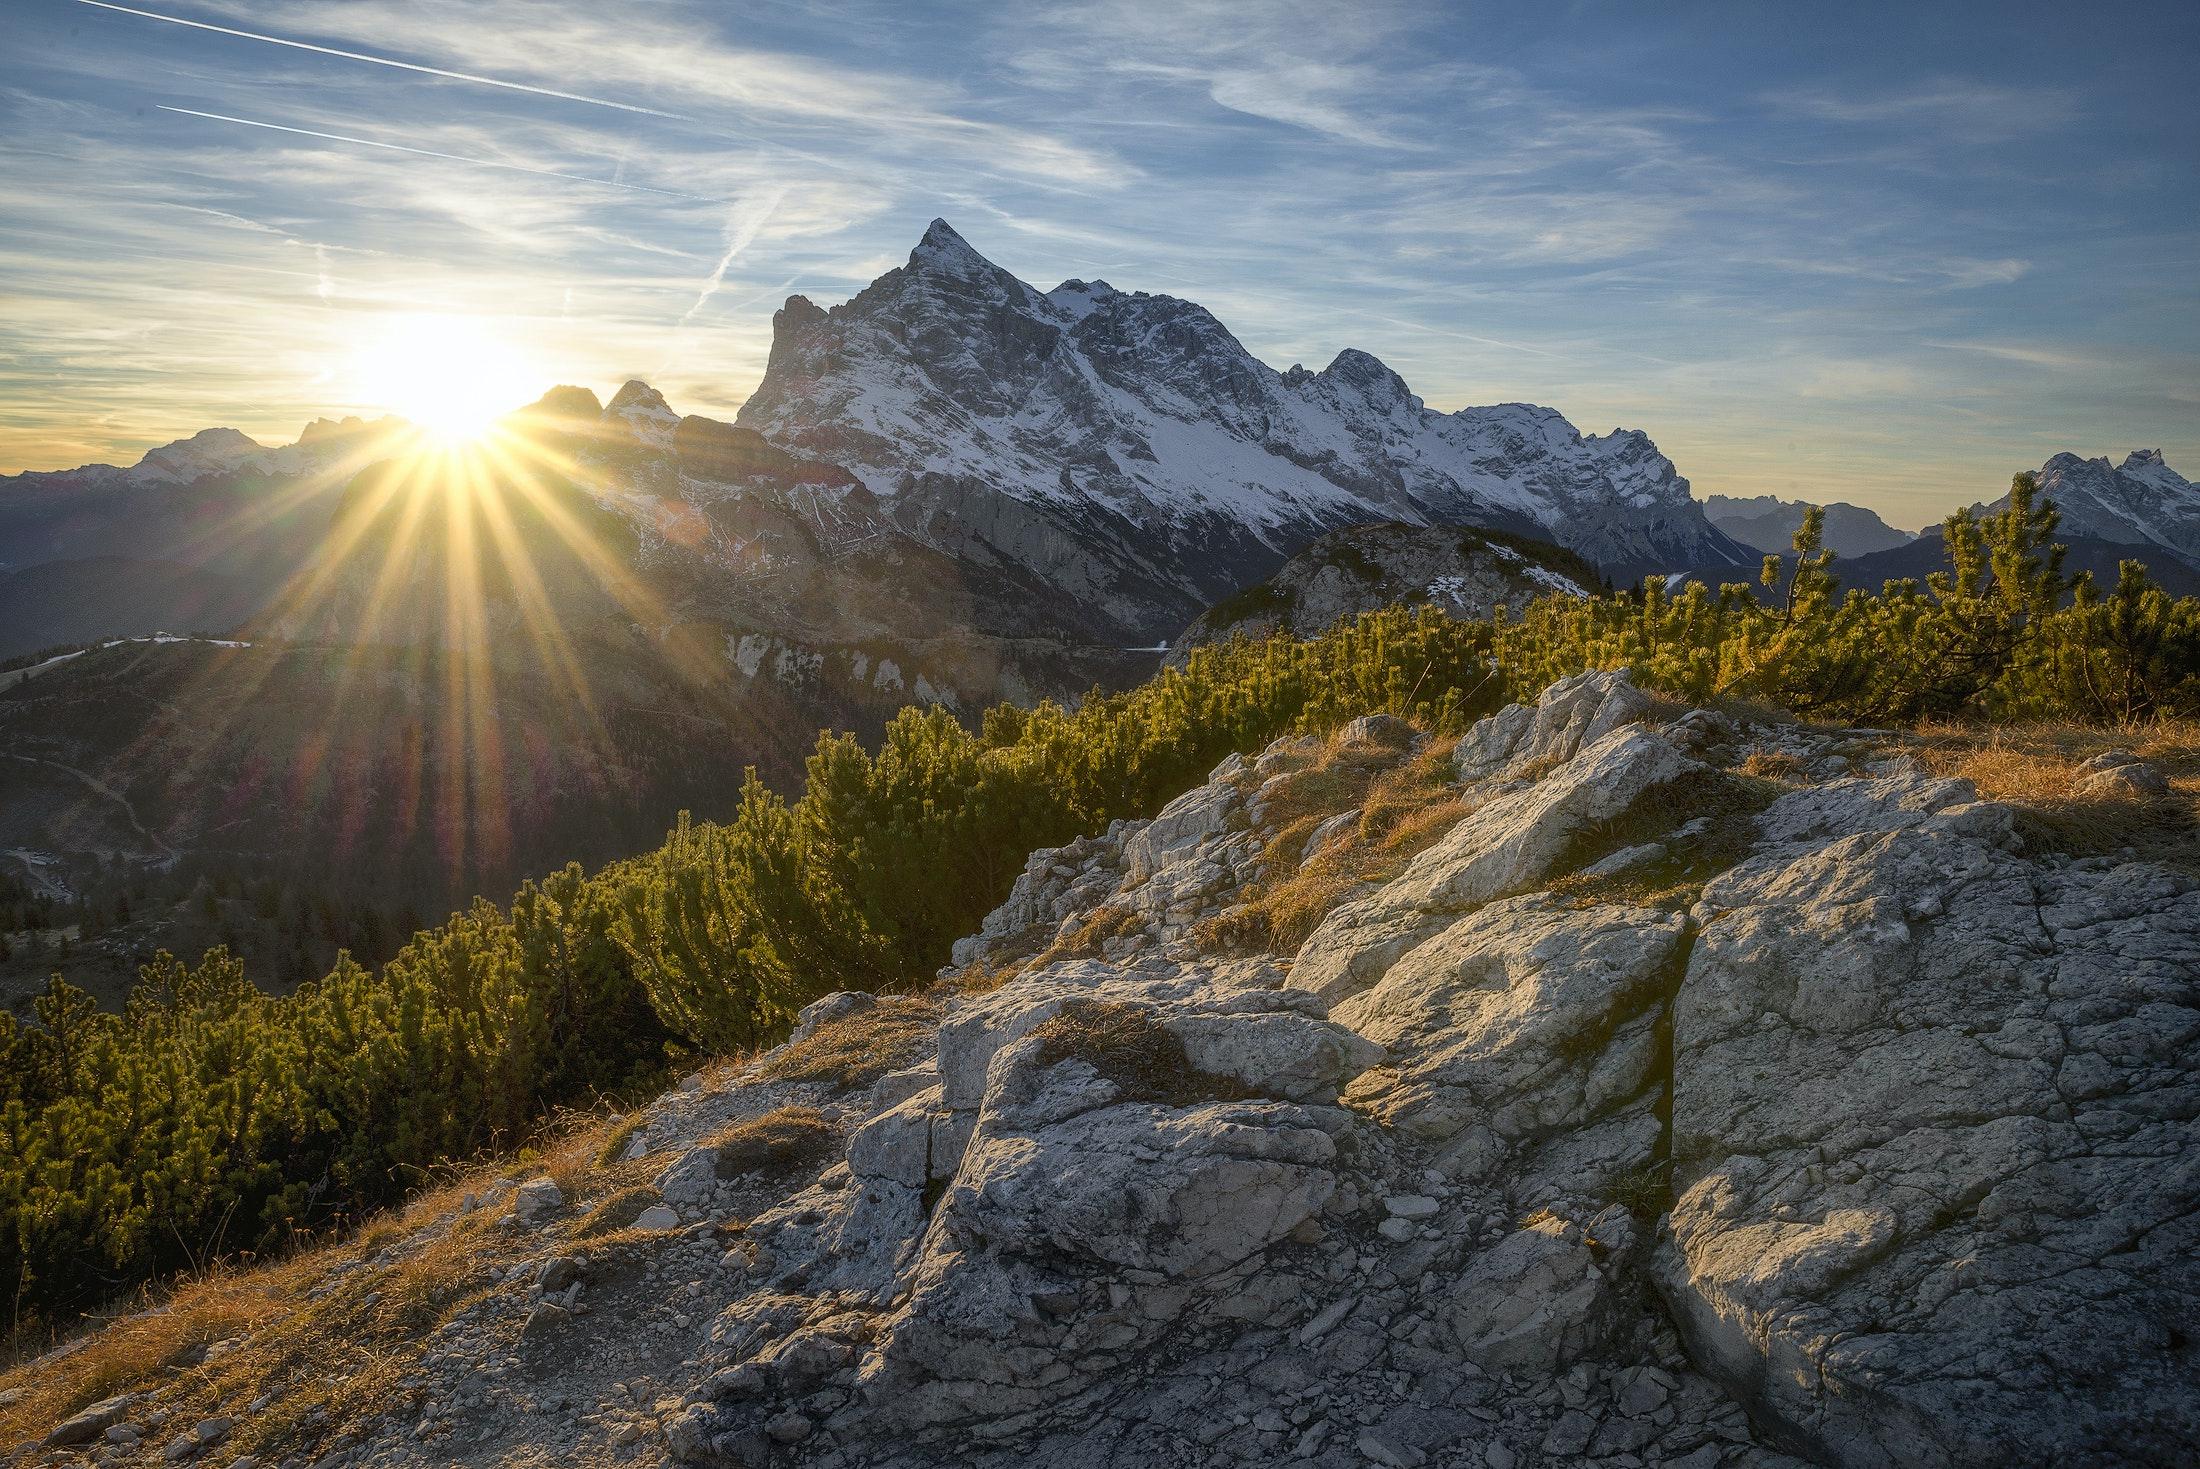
x: 1051, y: 426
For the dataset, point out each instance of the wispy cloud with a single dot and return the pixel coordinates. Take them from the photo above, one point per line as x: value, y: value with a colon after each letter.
x: 434, y: 71
x: 1884, y: 267
x: 548, y: 173
x: 748, y: 216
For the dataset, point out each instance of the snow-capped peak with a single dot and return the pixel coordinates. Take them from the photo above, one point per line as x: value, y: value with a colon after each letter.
x: 205, y: 452
x: 1081, y: 298
x: 1150, y: 452
x: 644, y: 411
x: 2141, y: 501
x: 636, y: 396
x: 943, y: 251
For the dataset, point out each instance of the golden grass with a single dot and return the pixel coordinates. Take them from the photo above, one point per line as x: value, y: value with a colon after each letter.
x: 1405, y: 807
x: 779, y: 1141
x: 2033, y: 767
x: 326, y: 1355
x: 1127, y: 1046
x: 1771, y: 765
x: 1088, y: 937
x: 859, y: 1048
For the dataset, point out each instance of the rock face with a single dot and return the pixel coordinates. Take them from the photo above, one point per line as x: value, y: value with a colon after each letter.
x: 1129, y: 449
x: 1884, y: 1115
x: 1467, y: 573
x: 1654, y: 1113
x: 1934, y: 1138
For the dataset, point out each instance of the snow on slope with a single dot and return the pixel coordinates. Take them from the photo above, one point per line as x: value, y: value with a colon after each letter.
x: 2141, y: 501
x: 1113, y: 415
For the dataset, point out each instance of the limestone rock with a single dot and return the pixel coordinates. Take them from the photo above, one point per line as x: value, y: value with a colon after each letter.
x: 89, y: 1423
x: 1509, y: 844
x: 1934, y: 1131
x: 1571, y: 714
x: 1536, y: 1302
x: 1525, y: 1026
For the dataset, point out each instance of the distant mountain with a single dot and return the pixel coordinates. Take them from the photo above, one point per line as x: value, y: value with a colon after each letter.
x: 198, y: 534
x: 1927, y: 554
x: 1767, y: 523
x: 1468, y: 573
x: 1128, y: 451
x: 2141, y: 502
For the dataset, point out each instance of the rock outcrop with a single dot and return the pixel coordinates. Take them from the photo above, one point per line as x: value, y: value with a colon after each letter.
x: 1655, y: 1112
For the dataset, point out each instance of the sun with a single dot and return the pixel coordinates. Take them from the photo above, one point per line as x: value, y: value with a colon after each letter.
x: 451, y: 376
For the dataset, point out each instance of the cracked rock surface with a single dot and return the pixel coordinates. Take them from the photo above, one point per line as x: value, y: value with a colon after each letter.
x: 1652, y: 1114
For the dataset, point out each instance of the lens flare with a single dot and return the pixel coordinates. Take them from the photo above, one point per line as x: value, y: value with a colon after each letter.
x: 449, y: 375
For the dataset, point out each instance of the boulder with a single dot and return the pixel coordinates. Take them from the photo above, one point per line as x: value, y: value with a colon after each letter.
x: 1200, y: 813
x: 537, y: 1198
x: 1534, y: 1303
x: 1935, y: 1131
x: 1510, y: 843
x: 1523, y: 1027
x: 89, y: 1423
x: 1570, y: 715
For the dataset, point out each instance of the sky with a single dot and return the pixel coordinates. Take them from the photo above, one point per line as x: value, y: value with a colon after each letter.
x: 1883, y: 252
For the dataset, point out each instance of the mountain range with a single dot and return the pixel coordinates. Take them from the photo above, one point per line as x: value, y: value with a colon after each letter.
x: 1767, y: 523
x: 953, y: 488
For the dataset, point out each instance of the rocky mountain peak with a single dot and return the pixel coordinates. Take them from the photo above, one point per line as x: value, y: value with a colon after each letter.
x: 566, y: 402
x: 205, y: 452
x: 1370, y: 378
x: 1131, y: 446
x: 637, y: 395
x: 2141, y: 502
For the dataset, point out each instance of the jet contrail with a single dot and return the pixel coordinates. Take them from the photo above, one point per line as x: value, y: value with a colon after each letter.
x: 748, y: 216
x: 548, y: 173
x: 433, y: 71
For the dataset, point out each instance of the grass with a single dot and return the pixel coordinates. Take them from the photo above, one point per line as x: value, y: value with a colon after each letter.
x: 330, y: 1334
x: 1674, y: 880
x: 1088, y: 938
x: 2033, y: 766
x: 858, y: 1048
x: 1127, y: 1046
x: 774, y: 1144
x: 1405, y: 805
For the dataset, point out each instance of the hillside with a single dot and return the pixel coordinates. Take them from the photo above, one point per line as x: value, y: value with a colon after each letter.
x: 1606, y: 1082
x: 358, y: 789
x: 1767, y: 523
x: 1467, y: 573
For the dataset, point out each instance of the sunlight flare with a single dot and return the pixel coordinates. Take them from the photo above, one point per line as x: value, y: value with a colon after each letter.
x: 450, y: 375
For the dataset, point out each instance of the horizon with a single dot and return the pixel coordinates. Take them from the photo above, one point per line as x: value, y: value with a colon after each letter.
x: 1891, y: 272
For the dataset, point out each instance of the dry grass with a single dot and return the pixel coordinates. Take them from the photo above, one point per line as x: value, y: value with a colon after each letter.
x: 859, y: 1048
x: 1770, y: 765
x: 1405, y: 806
x: 776, y: 1143
x: 1127, y: 1046
x: 983, y: 978
x: 329, y: 1335
x: 1675, y: 879
x: 1088, y: 937
x: 2034, y: 766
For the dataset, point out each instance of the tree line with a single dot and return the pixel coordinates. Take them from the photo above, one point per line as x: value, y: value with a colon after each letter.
x: 209, y: 1117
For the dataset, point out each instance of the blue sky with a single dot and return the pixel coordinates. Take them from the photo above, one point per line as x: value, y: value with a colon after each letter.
x: 1886, y: 253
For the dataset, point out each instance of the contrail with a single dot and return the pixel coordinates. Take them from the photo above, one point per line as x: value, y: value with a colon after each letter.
x: 747, y: 218
x: 433, y: 71
x: 548, y: 173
